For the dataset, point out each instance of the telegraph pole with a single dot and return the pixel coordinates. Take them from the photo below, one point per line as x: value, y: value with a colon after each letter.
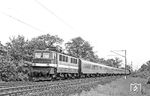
x: 131, y: 66
x: 125, y: 62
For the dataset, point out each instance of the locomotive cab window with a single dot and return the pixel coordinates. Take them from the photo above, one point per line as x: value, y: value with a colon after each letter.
x: 46, y: 55
x: 38, y: 55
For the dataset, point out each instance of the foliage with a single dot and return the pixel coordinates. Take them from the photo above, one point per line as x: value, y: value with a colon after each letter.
x: 9, y: 70
x: 44, y: 41
x: 111, y: 62
x: 17, y: 47
x: 80, y: 48
x: 1, y: 46
x: 128, y: 67
x: 144, y: 71
x: 114, y: 62
x: 145, y: 67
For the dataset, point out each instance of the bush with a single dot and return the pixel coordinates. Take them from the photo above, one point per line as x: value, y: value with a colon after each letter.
x: 143, y: 74
x: 12, y: 70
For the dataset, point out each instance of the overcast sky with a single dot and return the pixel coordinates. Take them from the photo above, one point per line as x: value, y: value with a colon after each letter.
x: 106, y: 24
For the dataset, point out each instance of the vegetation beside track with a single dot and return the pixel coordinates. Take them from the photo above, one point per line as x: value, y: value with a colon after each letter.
x: 119, y: 87
x: 78, y: 88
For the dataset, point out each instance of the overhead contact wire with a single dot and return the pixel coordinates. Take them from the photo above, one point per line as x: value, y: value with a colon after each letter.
x: 51, y: 12
x: 27, y: 24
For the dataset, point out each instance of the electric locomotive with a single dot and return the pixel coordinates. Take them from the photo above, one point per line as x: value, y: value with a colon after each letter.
x: 54, y: 64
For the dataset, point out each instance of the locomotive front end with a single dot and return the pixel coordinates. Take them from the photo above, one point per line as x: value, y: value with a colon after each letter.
x: 44, y: 64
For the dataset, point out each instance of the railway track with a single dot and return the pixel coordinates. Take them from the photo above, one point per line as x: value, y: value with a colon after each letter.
x: 43, y: 88
x: 19, y: 83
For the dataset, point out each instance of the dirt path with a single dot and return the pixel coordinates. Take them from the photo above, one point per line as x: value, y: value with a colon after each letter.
x: 120, y: 87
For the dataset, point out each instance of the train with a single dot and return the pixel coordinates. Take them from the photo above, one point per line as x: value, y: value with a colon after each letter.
x: 52, y: 64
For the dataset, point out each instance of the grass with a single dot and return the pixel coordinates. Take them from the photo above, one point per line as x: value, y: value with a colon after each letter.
x: 119, y: 87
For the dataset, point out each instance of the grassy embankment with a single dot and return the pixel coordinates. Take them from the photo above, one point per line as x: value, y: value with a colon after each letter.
x: 119, y: 87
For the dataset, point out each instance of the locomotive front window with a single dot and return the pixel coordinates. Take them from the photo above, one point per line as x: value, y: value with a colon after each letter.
x: 46, y: 55
x: 38, y: 55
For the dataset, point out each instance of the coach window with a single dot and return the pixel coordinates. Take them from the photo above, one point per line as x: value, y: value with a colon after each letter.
x: 100, y: 67
x: 71, y: 60
x: 63, y: 58
x: 60, y: 57
x: 93, y: 66
x: 96, y: 67
x: 66, y: 59
x: 75, y: 61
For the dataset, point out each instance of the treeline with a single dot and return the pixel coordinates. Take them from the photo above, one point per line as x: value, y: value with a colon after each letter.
x: 18, y: 49
x: 144, y: 71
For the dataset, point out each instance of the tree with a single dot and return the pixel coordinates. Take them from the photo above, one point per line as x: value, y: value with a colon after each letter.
x: 128, y: 67
x: 44, y: 41
x: 113, y: 62
x: 80, y: 48
x: 1, y: 46
x: 144, y: 71
x: 6, y: 69
x: 17, y: 47
x: 148, y: 64
x: 145, y: 67
x: 9, y: 71
x: 3, y: 50
x: 117, y: 62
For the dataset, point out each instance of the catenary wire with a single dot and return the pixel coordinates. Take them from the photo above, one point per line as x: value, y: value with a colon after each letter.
x: 27, y: 24
x: 51, y: 12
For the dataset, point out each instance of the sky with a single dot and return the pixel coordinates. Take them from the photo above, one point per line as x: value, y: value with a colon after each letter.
x: 106, y: 24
